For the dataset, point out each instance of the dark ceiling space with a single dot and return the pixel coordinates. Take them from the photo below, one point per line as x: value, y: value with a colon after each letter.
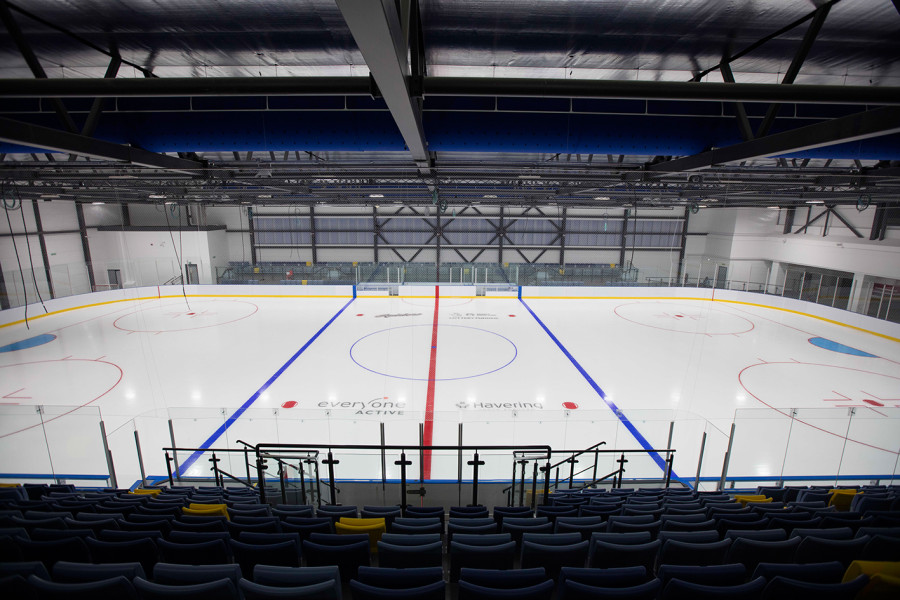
x: 525, y: 103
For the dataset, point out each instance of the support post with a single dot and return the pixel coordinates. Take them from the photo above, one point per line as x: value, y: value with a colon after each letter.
x: 140, y: 457
x: 622, y: 460
x: 261, y: 477
x: 403, y: 464
x: 459, y: 466
x: 169, y: 469
x: 727, y: 458
x: 111, y: 468
x: 282, y: 473
x: 475, y: 464
x: 534, y: 477
x: 174, y: 446
x: 330, y: 461
x: 215, y: 467
x: 383, y: 460
x: 546, y: 483
x: 700, y: 462
x: 522, y: 462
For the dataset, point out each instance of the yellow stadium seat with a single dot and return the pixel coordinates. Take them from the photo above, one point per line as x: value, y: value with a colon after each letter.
x: 884, y: 579
x: 206, y: 510
x: 374, y: 527
x: 841, y: 499
x: 145, y: 492
x: 745, y: 498
x: 871, y: 567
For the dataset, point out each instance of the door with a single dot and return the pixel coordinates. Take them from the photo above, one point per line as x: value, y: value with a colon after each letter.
x: 115, y: 278
x: 192, y: 274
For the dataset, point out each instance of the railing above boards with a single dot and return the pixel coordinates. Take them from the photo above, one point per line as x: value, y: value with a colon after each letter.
x: 305, y: 460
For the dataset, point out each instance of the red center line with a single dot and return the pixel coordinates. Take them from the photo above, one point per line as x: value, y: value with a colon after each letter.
x: 429, y: 397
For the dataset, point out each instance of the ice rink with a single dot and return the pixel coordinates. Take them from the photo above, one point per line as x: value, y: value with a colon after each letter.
x: 811, y: 390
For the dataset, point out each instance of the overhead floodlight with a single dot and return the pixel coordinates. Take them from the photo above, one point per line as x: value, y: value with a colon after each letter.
x: 376, y: 195
x: 98, y: 203
x: 815, y: 202
x: 529, y: 176
x: 773, y: 207
x: 264, y: 196
x: 601, y: 197
x: 157, y: 196
x: 490, y: 196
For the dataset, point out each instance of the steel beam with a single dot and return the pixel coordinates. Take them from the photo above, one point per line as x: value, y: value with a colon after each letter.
x: 858, y: 126
x: 186, y: 86
x: 90, y: 126
x: 743, y: 121
x: 33, y: 63
x: 794, y: 69
x: 375, y: 25
x: 451, y: 86
x: 26, y: 134
x: 660, y: 90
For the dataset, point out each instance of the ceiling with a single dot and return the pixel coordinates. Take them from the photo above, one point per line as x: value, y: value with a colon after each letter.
x: 540, y: 102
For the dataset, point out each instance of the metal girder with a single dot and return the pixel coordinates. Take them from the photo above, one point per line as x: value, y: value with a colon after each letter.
x: 743, y: 122
x: 858, y: 126
x: 802, y: 52
x: 26, y: 134
x: 33, y: 63
x: 90, y: 125
x: 450, y: 86
x: 375, y: 25
x: 185, y: 86
x: 659, y: 90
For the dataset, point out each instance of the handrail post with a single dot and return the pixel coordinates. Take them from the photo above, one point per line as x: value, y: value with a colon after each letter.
x: 330, y: 461
x: 700, y: 462
x: 596, y: 459
x: 572, y: 463
x: 247, y: 465
x: 475, y: 463
x: 169, y: 468
x: 403, y: 464
x: 215, y: 468
x: 727, y: 459
x: 546, y: 499
x: 282, y: 475
x: 622, y: 460
x: 261, y: 477
x: 534, y: 485
x: 318, y: 484
x: 523, y: 462
x: 303, y: 479
x: 669, y: 462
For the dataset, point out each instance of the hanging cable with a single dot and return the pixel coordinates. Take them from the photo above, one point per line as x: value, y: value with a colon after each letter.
x: 6, y: 209
x: 175, y: 250
x: 28, y: 245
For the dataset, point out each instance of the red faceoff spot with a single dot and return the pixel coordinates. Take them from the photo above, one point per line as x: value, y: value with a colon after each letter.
x: 359, y: 315
x: 512, y: 315
x: 570, y: 405
x: 192, y: 313
x: 289, y: 404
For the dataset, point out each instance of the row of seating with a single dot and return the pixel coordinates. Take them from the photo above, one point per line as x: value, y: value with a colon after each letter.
x: 224, y: 582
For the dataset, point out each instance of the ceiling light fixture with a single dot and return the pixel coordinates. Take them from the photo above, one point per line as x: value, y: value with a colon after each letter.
x: 601, y: 197
x: 264, y: 196
x: 376, y: 195
x: 157, y: 196
x: 98, y: 203
x: 490, y: 195
x: 815, y: 202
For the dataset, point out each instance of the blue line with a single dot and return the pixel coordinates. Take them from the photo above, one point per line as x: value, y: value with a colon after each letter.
x: 628, y: 424
x: 237, y: 414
